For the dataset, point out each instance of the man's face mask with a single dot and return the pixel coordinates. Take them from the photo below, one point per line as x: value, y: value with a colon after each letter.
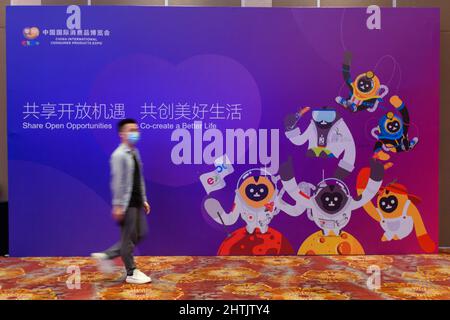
x: 133, y: 137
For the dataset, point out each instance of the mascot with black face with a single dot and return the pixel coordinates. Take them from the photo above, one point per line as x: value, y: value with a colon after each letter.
x: 366, y: 91
x: 257, y: 201
x: 397, y: 212
x: 331, y: 204
x: 392, y: 132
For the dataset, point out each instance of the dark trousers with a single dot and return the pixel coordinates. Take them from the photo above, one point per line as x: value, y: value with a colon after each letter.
x: 133, y: 229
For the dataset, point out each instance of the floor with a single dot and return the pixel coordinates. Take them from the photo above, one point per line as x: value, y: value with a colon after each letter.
x: 293, y: 277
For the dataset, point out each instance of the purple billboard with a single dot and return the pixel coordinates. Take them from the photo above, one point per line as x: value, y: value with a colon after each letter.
x: 265, y: 131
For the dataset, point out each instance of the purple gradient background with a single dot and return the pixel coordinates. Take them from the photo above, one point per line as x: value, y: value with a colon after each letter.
x: 272, y: 60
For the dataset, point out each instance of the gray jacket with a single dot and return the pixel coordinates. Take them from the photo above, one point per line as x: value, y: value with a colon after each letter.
x: 122, y: 170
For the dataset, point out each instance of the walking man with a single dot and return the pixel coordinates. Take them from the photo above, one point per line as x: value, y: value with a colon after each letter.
x: 129, y: 201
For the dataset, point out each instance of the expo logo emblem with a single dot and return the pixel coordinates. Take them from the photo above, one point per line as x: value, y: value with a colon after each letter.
x: 30, y: 34
x: 213, y: 180
x: 216, y: 178
x: 220, y: 168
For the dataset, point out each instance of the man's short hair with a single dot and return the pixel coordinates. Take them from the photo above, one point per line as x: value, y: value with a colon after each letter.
x: 124, y: 122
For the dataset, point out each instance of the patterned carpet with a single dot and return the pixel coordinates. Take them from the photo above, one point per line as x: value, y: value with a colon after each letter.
x: 339, y: 277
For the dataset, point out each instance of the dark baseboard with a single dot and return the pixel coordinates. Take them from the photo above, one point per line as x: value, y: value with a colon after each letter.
x: 4, y: 228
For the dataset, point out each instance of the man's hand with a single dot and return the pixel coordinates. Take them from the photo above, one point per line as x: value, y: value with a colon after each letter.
x: 146, y: 207
x: 118, y: 213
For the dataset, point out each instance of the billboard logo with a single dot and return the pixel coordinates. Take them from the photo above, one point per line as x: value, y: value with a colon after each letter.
x: 223, y: 166
x: 30, y: 34
x: 212, y: 181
